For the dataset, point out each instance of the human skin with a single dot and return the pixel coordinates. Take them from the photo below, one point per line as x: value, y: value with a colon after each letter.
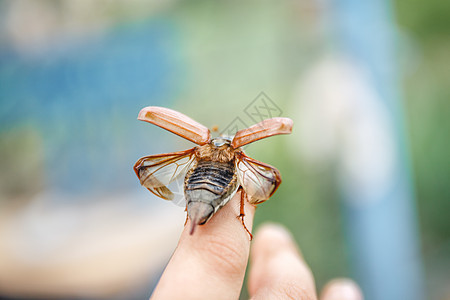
x: 211, y: 263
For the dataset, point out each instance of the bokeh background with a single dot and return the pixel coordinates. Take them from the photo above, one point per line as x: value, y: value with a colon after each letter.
x: 365, y: 173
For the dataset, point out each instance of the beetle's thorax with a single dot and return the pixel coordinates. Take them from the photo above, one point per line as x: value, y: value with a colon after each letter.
x: 218, y: 149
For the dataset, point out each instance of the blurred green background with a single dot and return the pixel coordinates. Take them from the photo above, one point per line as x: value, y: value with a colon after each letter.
x: 74, y: 74
x: 426, y: 105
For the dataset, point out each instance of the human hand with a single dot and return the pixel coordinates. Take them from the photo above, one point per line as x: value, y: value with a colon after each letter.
x: 211, y: 263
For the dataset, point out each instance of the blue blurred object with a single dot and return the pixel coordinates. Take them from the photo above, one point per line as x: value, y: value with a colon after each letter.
x: 381, y: 222
x: 83, y: 97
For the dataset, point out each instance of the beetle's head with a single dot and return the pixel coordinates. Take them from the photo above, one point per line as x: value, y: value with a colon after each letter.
x: 220, y: 141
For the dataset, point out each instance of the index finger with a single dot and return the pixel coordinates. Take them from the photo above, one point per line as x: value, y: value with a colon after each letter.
x: 210, y: 264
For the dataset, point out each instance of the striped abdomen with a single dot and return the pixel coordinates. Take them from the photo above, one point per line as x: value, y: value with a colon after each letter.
x: 208, y: 187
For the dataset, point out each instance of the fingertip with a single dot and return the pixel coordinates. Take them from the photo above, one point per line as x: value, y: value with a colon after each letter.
x: 341, y: 289
x: 277, y: 268
x: 215, y: 256
x: 274, y: 231
x: 221, y: 244
x: 272, y: 237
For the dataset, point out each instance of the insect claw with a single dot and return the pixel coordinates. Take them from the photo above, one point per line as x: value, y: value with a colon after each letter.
x: 245, y: 227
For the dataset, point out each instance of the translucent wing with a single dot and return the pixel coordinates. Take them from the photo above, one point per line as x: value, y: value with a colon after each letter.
x: 156, y: 172
x: 259, y: 180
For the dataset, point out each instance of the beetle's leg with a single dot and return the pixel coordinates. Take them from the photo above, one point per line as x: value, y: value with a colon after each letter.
x: 187, y: 216
x: 242, y: 213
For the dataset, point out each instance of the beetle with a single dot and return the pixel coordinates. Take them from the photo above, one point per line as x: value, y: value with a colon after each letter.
x: 215, y: 170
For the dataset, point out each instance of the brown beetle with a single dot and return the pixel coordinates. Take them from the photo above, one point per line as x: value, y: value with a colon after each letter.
x: 213, y: 171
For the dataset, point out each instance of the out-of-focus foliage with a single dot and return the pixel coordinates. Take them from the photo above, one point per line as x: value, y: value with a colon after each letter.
x: 427, y: 103
x: 424, y: 20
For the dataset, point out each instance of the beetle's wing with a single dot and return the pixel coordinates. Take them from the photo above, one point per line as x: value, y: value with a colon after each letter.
x: 156, y: 172
x: 262, y: 130
x: 259, y: 180
x: 177, y: 123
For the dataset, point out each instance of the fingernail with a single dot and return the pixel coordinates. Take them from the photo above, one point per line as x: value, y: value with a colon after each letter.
x: 275, y: 232
x: 342, y: 289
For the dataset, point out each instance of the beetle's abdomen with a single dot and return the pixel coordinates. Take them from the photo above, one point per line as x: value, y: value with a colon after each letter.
x: 208, y: 187
x: 211, y: 176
